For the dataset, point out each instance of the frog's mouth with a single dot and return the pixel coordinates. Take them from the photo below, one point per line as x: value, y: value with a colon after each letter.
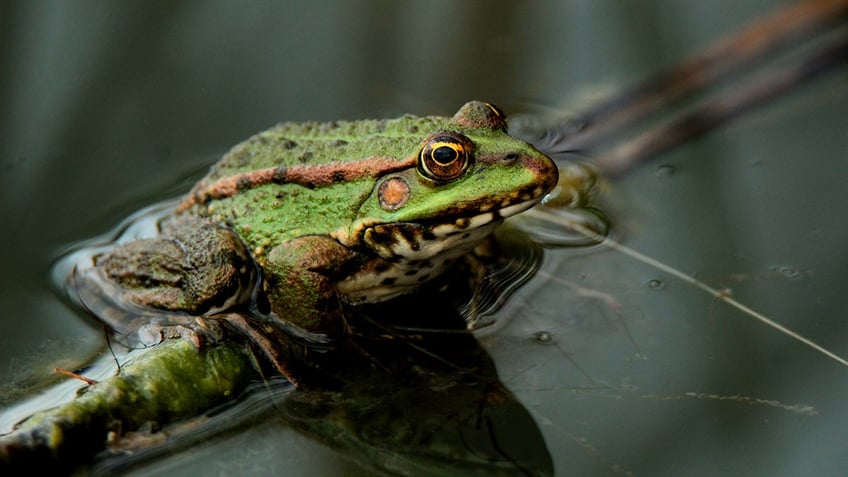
x: 418, y: 251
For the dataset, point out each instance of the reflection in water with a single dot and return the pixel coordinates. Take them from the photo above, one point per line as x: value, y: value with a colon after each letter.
x: 438, y: 405
x: 423, y: 402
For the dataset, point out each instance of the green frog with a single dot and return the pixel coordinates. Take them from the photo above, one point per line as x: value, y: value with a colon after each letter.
x: 304, y: 219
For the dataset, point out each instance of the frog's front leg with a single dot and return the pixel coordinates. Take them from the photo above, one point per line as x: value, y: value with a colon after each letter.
x: 300, y: 283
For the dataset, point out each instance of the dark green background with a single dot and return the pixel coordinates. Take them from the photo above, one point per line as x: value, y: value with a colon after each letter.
x: 109, y: 106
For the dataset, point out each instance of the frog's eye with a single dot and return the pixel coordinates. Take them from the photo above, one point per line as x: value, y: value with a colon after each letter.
x: 445, y: 157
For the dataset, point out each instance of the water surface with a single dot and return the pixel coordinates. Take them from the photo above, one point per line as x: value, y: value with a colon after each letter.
x: 107, y: 107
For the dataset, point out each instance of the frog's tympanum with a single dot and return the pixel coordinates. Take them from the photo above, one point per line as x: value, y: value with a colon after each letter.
x: 302, y: 220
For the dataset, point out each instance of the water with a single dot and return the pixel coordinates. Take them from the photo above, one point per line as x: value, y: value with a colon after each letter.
x: 106, y: 108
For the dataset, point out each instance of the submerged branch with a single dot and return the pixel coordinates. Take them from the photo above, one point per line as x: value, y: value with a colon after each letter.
x: 723, y: 107
x: 173, y: 380
x: 780, y: 34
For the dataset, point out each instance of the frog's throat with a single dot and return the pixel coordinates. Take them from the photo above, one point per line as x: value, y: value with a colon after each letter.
x: 308, y: 175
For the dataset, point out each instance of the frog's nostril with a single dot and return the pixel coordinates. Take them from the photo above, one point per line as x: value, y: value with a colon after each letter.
x: 511, y: 157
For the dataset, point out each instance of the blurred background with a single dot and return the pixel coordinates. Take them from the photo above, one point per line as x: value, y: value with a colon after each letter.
x: 106, y: 107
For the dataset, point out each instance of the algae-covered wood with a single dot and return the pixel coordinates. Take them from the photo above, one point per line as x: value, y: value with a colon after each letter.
x: 174, y: 380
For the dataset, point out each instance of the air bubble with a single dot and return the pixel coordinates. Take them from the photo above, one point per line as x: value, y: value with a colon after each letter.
x: 656, y: 284
x: 544, y: 336
x: 788, y: 272
x: 665, y: 170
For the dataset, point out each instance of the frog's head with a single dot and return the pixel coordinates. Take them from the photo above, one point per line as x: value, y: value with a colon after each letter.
x: 469, y: 175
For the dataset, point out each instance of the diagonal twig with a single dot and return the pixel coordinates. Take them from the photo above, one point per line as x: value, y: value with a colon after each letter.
x: 723, y: 107
x: 776, y: 34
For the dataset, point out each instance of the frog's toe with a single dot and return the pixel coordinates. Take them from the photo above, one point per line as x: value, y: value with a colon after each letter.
x: 200, y: 332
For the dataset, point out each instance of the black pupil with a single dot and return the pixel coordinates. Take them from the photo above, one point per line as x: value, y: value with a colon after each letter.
x: 444, y: 154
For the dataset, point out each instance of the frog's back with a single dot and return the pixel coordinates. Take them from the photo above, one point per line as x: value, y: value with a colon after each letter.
x: 313, y: 143
x: 268, y: 212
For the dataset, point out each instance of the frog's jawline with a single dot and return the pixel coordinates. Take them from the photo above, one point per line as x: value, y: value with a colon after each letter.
x: 418, y: 253
x: 378, y: 236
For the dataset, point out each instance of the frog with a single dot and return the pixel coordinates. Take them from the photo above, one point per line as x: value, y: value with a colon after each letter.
x: 305, y: 220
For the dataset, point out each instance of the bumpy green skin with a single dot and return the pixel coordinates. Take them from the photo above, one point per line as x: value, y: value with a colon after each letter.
x: 172, y: 381
x: 307, y: 237
x: 272, y: 214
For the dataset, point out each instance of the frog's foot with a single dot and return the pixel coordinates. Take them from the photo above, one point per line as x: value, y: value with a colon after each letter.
x: 282, y: 350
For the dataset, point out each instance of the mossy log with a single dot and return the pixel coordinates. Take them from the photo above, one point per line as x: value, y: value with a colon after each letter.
x: 173, y: 380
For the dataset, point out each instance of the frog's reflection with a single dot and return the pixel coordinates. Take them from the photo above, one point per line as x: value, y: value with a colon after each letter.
x: 438, y: 404
x: 417, y: 397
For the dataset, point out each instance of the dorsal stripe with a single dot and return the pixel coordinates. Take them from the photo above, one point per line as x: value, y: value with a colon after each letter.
x: 306, y: 175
